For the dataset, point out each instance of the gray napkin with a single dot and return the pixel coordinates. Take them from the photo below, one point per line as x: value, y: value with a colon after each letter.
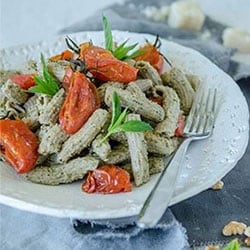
x: 129, y: 17
x: 28, y: 231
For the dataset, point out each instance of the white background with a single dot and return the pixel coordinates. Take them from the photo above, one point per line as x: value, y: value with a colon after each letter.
x: 25, y: 21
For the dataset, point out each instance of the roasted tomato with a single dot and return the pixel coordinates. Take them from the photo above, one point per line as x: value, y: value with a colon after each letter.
x: 81, y: 101
x: 151, y: 54
x: 107, y: 179
x: 18, y: 144
x: 65, y: 55
x: 180, y: 126
x: 104, y: 66
x: 24, y: 81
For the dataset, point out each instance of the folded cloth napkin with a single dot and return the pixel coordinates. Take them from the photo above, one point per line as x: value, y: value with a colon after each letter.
x: 25, y: 230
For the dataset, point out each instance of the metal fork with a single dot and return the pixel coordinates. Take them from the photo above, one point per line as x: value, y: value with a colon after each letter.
x: 199, y: 125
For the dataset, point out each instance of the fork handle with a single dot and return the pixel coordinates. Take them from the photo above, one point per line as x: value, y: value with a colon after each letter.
x: 160, y: 197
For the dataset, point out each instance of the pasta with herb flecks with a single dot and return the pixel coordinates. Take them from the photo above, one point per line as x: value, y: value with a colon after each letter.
x: 111, y: 114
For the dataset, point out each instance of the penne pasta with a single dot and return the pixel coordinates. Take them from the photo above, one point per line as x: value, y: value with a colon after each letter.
x: 51, y: 139
x: 117, y: 155
x: 138, y: 153
x: 160, y: 145
x: 63, y: 173
x: 171, y: 106
x: 57, y: 69
x: 143, y: 84
x: 102, y: 150
x: 14, y: 93
x: 147, y: 71
x: 177, y: 80
x: 83, y: 138
x: 31, y: 117
x: 136, y: 102
x: 156, y: 165
x: 50, y: 112
x: 194, y: 81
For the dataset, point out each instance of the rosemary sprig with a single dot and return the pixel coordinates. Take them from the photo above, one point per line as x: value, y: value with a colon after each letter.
x: 122, y: 51
x: 118, y: 122
x: 45, y: 84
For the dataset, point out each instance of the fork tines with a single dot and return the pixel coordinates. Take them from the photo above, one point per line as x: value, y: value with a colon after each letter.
x: 202, y: 114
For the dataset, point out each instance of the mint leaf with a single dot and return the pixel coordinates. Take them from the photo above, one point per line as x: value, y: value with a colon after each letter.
x: 107, y: 34
x: 46, y: 84
x: 232, y: 245
x: 135, y: 126
x: 116, y: 108
x: 118, y: 120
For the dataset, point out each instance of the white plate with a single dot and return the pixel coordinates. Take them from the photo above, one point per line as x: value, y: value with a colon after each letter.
x: 206, y: 162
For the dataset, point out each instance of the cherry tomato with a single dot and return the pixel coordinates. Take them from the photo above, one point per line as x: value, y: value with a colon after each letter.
x: 65, y: 55
x: 81, y: 101
x: 18, y: 144
x: 180, y: 126
x: 104, y: 66
x: 107, y: 179
x: 24, y: 81
x: 151, y: 55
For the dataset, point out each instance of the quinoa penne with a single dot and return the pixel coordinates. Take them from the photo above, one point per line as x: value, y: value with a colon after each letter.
x: 57, y: 69
x: 156, y: 165
x: 51, y: 139
x: 83, y: 138
x: 177, y: 80
x: 160, y: 145
x: 63, y: 173
x: 136, y: 102
x: 102, y: 150
x: 143, y: 84
x: 138, y: 153
x: 147, y: 71
x: 102, y: 89
x: 14, y: 93
x: 171, y: 106
x: 194, y: 81
x: 31, y: 117
x: 118, y: 154
x: 49, y: 113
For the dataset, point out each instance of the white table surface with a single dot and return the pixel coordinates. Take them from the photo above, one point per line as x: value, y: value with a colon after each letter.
x: 27, y: 21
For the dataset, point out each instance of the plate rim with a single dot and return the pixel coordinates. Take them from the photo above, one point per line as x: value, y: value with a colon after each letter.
x: 73, y: 213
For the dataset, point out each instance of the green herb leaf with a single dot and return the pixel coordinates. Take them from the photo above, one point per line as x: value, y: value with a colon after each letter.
x: 116, y: 108
x: 233, y: 245
x: 121, y: 52
x: 118, y: 120
x: 46, y: 84
x: 107, y: 34
x: 135, y: 126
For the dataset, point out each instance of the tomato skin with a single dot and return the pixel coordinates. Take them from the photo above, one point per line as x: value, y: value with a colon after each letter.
x: 65, y: 55
x: 158, y: 100
x: 105, y: 67
x: 107, y: 179
x: 24, y: 81
x: 80, y: 102
x: 180, y: 126
x: 151, y: 55
x: 19, y: 145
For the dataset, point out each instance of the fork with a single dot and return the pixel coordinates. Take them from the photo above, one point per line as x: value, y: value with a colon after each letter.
x: 199, y: 125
